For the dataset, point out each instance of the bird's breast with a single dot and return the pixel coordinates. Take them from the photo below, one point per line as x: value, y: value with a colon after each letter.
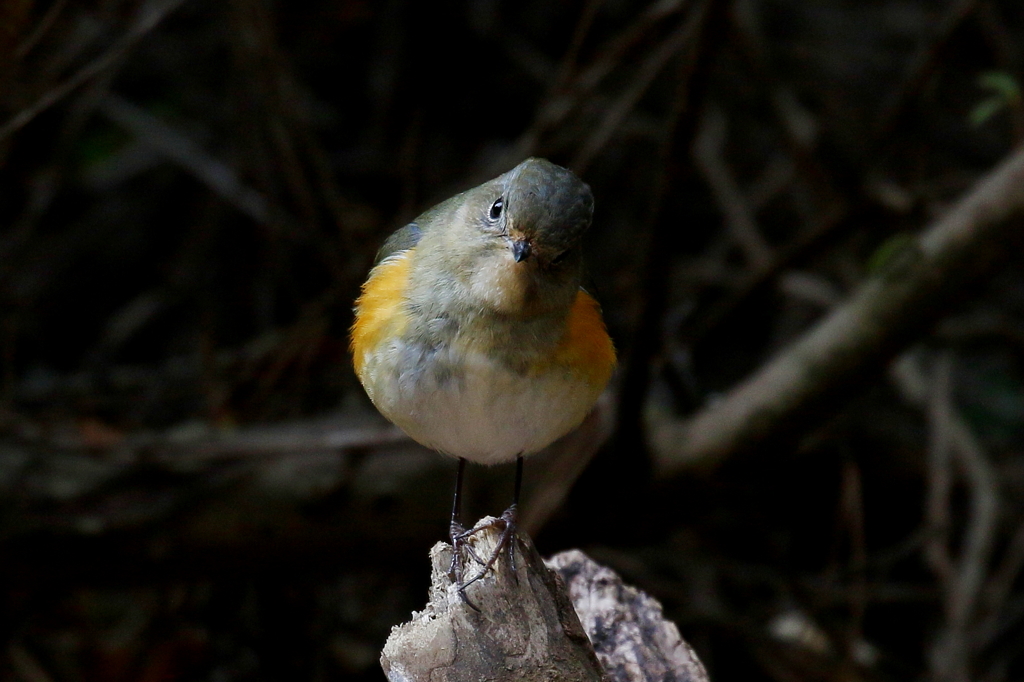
x: 457, y: 392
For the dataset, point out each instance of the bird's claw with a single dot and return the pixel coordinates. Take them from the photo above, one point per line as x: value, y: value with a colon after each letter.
x: 506, y: 542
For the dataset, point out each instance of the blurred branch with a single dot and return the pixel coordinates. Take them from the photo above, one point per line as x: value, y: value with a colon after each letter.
x: 567, y: 92
x: 691, y: 85
x: 708, y: 153
x: 685, y: 35
x: 960, y: 580
x: 151, y: 14
x: 89, y: 479
x: 796, y: 168
x: 26, y: 45
x: 940, y: 478
x: 572, y: 53
x: 921, y: 67
x: 199, y: 444
x: 180, y: 149
x: 26, y: 667
x: 982, y: 518
x: 888, y: 310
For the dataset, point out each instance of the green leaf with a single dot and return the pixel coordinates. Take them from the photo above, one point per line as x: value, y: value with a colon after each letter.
x: 986, y: 109
x: 1002, y: 84
x: 888, y: 250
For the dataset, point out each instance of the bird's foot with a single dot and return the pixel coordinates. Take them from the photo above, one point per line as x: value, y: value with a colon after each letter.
x: 457, y: 569
x: 506, y: 542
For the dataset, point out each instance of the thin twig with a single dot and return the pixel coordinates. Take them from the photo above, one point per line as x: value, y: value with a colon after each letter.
x: 203, y: 444
x: 1000, y: 586
x: 921, y: 67
x: 568, y: 64
x: 25, y: 46
x: 683, y: 36
x: 181, y: 149
x: 708, y: 151
x: 982, y: 518
x: 567, y: 91
x: 960, y: 580
x: 940, y: 478
x: 149, y: 17
x: 691, y: 84
x: 799, y: 170
x: 952, y: 651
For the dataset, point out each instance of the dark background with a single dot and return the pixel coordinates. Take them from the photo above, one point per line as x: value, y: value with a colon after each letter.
x: 193, y: 484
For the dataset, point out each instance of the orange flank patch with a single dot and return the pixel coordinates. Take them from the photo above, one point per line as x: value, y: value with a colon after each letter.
x: 379, y: 313
x: 586, y: 347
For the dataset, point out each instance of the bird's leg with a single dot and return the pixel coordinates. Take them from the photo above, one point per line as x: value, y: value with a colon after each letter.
x: 456, y: 531
x: 508, y: 533
x: 458, y: 536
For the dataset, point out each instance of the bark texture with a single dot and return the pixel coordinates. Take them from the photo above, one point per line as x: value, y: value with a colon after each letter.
x: 633, y: 640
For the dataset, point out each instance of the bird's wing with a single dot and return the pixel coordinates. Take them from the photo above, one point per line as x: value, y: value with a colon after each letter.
x: 402, y: 239
x: 405, y: 238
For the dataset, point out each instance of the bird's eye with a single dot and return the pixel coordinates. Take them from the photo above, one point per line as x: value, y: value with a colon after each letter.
x: 496, y: 208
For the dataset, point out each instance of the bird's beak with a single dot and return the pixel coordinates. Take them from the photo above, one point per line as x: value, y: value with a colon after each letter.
x: 521, y: 249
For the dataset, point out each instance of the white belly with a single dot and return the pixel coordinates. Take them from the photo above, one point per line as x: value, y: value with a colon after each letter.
x: 486, y: 414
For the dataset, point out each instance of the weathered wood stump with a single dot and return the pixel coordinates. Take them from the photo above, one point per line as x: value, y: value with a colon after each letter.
x: 633, y: 640
x: 528, y: 627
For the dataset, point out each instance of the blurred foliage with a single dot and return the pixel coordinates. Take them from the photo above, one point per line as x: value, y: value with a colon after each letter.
x: 1005, y: 93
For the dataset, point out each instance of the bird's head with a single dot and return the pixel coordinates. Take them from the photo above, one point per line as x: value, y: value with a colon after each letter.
x: 516, y: 240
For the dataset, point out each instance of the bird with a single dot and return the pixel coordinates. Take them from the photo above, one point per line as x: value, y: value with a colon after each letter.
x: 473, y: 332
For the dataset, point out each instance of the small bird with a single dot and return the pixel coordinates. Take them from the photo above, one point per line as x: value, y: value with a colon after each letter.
x: 473, y: 334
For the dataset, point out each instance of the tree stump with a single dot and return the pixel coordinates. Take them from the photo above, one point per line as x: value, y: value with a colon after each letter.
x: 528, y: 629
x: 633, y: 640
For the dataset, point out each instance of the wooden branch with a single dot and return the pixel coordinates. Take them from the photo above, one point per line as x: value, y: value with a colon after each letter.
x: 326, y: 487
x: 211, y: 489
x: 887, y: 312
x: 527, y: 627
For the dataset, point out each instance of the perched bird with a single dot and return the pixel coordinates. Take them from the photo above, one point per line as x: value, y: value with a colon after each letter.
x: 473, y: 334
